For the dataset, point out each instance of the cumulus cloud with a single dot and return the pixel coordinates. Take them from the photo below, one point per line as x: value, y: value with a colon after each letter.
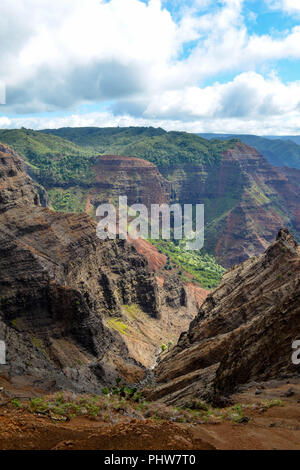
x: 289, y: 6
x: 66, y: 52
x: 249, y: 96
x: 151, y: 63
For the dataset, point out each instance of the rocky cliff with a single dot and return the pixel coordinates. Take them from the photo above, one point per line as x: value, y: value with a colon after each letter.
x: 64, y: 293
x: 135, y: 178
x: 246, y: 201
x: 243, y: 332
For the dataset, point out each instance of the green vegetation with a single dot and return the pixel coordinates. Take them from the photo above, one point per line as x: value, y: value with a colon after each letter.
x: 52, y: 160
x: 117, y: 325
x: 16, y: 323
x: 38, y: 344
x: 202, y: 267
x: 129, y: 393
x: 63, y: 160
x: 156, y: 145
x: 72, y: 199
x: 16, y: 403
x: 66, y: 156
x: 119, y: 401
x: 133, y: 311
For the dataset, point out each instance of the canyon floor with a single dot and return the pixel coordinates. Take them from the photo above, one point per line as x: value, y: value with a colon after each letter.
x: 263, y: 427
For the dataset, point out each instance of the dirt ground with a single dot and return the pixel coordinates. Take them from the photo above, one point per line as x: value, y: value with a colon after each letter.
x: 274, y: 428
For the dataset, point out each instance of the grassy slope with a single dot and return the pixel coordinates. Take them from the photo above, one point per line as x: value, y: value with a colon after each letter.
x: 54, y: 161
x: 203, y: 267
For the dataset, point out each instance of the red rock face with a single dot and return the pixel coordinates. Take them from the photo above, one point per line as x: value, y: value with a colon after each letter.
x: 156, y: 260
x: 135, y: 178
x: 246, y: 199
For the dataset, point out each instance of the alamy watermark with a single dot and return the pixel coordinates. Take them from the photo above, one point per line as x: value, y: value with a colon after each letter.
x: 2, y: 353
x: 2, y: 93
x: 296, y: 353
x: 164, y: 221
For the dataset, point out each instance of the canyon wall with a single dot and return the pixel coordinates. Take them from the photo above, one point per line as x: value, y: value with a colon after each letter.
x: 243, y: 332
x: 63, y: 294
x: 246, y: 201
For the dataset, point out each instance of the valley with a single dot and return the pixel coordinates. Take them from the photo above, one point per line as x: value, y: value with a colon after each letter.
x: 144, y: 332
x: 247, y: 200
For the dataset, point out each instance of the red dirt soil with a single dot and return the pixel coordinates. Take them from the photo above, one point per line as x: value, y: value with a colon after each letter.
x: 119, y: 159
x: 156, y: 260
x: 269, y: 428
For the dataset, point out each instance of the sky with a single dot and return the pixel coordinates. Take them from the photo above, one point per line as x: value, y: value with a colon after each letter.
x: 225, y: 66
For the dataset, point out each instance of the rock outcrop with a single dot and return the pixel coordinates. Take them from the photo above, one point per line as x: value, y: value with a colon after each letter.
x: 135, y: 178
x: 246, y: 201
x: 62, y: 292
x: 243, y: 332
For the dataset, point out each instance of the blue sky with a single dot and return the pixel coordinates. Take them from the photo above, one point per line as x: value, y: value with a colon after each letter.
x: 195, y: 65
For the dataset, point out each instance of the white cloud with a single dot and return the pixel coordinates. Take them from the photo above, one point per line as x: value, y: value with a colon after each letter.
x: 248, y: 96
x: 289, y: 6
x: 248, y: 104
x: 96, y: 37
x: 58, y: 54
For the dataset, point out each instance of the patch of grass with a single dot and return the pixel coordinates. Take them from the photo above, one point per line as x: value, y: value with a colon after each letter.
x: 203, y: 267
x: 118, y: 325
x: 16, y: 403
x: 38, y: 344
x: 120, y: 401
x: 271, y: 403
x: 133, y: 310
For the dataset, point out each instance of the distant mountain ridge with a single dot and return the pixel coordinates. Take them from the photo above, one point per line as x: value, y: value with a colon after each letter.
x: 153, y: 144
x: 279, y: 151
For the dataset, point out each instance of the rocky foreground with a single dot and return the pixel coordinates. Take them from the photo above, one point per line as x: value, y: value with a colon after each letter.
x: 243, y: 332
x: 264, y: 416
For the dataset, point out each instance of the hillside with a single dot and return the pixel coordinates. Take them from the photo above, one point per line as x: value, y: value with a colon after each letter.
x: 52, y: 160
x: 155, y: 145
x: 242, y: 333
x: 281, y: 151
x: 293, y: 138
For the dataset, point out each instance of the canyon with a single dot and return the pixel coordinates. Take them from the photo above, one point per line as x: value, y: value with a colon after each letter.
x: 247, y: 200
x: 77, y: 312
x: 80, y: 314
x: 112, y: 305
